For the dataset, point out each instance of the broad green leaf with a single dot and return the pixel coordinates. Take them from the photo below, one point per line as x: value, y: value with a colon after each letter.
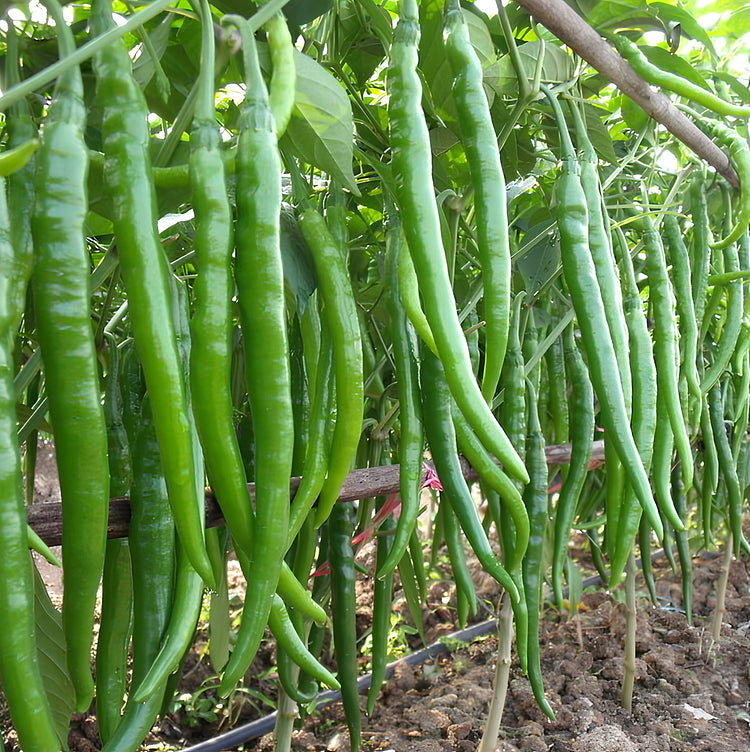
x: 299, y: 271
x: 557, y: 67
x: 612, y: 13
x: 485, y: 49
x: 53, y: 659
x: 541, y: 259
x: 321, y: 130
x: 662, y: 59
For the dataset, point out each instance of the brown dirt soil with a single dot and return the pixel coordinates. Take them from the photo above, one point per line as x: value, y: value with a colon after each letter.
x: 691, y: 695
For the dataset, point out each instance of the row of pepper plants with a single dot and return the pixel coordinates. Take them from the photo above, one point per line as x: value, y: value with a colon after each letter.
x: 291, y: 242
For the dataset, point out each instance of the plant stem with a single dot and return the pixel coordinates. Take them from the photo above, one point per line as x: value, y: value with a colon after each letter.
x: 628, y: 664
x: 285, y: 717
x: 502, y: 674
x: 721, y: 589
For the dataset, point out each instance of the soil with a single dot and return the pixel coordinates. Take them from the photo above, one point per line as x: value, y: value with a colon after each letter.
x: 691, y: 694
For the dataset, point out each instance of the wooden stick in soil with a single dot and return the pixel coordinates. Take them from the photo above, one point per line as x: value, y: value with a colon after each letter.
x: 721, y: 589
x: 628, y: 664
x: 361, y: 483
x: 502, y: 675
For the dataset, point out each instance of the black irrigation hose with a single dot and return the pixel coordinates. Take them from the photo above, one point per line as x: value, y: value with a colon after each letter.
x: 265, y: 725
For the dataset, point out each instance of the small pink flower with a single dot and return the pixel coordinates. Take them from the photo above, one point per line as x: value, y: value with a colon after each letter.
x: 431, y: 479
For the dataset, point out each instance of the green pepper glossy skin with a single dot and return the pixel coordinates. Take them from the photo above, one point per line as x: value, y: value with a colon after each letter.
x: 145, y: 272
x: 260, y: 283
x: 61, y: 290
x: 19, y: 664
x: 344, y: 613
x: 488, y: 181
x: 412, y: 170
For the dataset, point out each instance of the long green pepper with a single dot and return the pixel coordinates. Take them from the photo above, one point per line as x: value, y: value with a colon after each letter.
x: 580, y: 276
x: 412, y: 169
x: 19, y: 663
x: 61, y: 290
x: 260, y: 284
x: 411, y: 435
x: 145, y: 272
x: 211, y: 325
x: 488, y: 182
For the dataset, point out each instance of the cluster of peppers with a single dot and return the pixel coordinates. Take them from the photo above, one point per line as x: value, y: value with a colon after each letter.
x: 167, y: 419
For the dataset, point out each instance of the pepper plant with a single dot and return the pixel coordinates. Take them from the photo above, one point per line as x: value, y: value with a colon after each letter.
x: 240, y: 244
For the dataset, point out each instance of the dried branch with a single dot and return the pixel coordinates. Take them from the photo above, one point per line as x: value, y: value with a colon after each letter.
x: 362, y: 483
x: 571, y: 29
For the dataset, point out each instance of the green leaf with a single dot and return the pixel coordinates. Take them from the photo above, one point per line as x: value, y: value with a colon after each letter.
x: 557, y: 67
x: 299, y: 271
x: 53, y: 659
x: 485, y: 49
x: 664, y: 60
x: 321, y: 130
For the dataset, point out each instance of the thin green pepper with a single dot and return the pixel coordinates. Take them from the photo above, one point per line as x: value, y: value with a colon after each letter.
x: 582, y: 438
x: 488, y: 182
x: 260, y: 282
x: 19, y: 664
x: 412, y: 159
x: 344, y: 613
x: 145, y: 272
x: 61, y: 291
x: 211, y: 325
x: 580, y: 276
x: 411, y: 435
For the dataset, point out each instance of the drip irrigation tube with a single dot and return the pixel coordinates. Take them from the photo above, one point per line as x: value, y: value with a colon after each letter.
x: 261, y: 726
x: 265, y: 725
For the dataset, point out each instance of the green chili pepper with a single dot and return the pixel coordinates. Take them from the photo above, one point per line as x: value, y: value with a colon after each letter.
x: 260, y: 283
x: 409, y: 292
x: 488, y: 182
x: 739, y: 153
x: 21, y: 130
x: 580, y: 276
x: 382, y: 608
x: 115, y: 625
x: 61, y: 291
x: 465, y: 593
x: 318, y: 441
x: 411, y: 435
x: 556, y: 389
x: 341, y: 316
x: 344, y: 607
x: 700, y: 253
x: 683, y: 547
x: 211, y: 326
x: 666, y: 352
x: 726, y: 465
x: 679, y: 260
x: 643, y: 373
x: 581, y: 411
x: 282, y: 88
x: 498, y: 481
x: 19, y: 664
x: 145, y: 272
x: 710, y: 479
x: 412, y: 159
x: 731, y: 329
x: 674, y: 83
x: 535, y: 498
x: 442, y: 440
x: 600, y: 248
